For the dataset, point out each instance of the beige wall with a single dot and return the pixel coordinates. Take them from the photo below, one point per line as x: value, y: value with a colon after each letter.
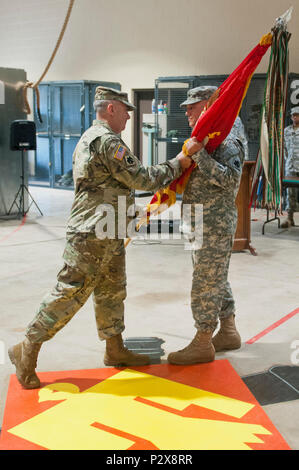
x: 136, y: 41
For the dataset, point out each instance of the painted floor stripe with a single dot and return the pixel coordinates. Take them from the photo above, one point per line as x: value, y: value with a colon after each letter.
x: 15, y: 230
x: 272, y: 327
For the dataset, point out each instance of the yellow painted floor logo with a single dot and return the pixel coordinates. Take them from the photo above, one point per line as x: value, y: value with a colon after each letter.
x: 133, y: 405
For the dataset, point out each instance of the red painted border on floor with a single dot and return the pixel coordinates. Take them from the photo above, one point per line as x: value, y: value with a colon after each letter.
x: 272, y: 327
x: 15, y: 230
x: 216, y: 377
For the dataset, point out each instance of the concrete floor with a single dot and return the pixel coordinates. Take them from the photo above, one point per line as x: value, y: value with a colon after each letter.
x: 158, y: 304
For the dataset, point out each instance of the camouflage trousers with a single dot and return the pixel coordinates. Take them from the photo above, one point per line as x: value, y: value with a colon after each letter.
x: 211, y: 295
x: 292, y: 196
x: 91, y: 266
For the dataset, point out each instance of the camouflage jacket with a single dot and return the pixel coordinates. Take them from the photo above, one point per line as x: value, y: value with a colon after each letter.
x: 291, y: 150
x: 104, y: 169
x: 238, y: 132
x: 214, y: 183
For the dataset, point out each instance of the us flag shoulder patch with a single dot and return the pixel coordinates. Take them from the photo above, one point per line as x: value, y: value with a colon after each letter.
x: 120, y: 152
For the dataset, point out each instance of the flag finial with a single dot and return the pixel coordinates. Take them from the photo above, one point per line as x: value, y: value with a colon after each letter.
x: 282, y: 21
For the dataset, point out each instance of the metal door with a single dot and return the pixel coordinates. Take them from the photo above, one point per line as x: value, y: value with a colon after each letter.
x: 67, y: 127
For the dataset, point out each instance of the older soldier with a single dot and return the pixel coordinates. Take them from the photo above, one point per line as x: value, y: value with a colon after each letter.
x: 291, y: 154
x: 104, y: 169
x: 213, y: 183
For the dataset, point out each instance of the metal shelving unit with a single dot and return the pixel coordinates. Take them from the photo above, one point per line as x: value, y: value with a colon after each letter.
x: 171, y: 129
x: 173, y: 90
x: 67, y: 111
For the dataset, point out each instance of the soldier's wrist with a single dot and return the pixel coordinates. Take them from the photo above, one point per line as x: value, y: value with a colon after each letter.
x: 199, y: 156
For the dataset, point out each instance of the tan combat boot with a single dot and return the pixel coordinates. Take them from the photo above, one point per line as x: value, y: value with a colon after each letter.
x: 24, y: 357
x: 227, y: 337
x: 289, y: 222
x: 117, y: 355
x: 199, y: 350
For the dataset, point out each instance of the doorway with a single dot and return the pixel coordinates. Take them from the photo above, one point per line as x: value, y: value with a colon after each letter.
x: 142, y: 99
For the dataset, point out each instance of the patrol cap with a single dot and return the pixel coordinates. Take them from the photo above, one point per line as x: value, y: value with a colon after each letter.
x: 104, y: 93
x: 295, y: 110
x: 199, y: 93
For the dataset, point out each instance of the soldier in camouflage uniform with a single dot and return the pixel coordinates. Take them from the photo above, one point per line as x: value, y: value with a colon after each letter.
x: 104, y: 169
x: 213, y: 183
x: 291, y: 155
x: 238, y: 131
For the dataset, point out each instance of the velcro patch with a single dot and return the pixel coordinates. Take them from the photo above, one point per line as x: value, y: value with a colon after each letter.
x: 120, y: 152
x: 130, y: 160
x: 237, y: 164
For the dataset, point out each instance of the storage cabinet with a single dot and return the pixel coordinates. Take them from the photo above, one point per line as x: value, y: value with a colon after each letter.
x: 67, y: 111
x: 174, y: 90
x: 171, y: 129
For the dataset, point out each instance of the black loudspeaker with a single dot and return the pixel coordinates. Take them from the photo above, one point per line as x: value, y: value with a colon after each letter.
x: 22, y: 135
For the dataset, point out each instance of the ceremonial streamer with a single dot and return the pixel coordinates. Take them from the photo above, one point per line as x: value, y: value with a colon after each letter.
x: 267, y: 179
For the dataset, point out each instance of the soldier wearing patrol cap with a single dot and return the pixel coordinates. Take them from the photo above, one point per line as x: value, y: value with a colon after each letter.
x: 213, y: 183
x: 291, y: 156
x: 204, y: 93
x: 104, y: 169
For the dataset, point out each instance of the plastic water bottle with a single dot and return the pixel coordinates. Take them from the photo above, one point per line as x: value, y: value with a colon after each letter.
x: 154, y: 106
x: 160, y: 108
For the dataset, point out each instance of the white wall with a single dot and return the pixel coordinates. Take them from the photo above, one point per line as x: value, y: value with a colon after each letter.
x: 136, y: 41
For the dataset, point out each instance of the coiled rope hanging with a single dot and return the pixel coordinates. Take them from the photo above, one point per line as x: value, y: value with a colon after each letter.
x: 34, y: 85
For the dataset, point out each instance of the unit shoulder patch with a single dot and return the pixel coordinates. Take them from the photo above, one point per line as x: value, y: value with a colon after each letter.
x: 237, y: 163
x: 130, y: 160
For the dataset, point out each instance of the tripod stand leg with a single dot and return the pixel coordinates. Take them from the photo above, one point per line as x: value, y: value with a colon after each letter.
x: 25, y: 187
x: 21, y: 191
x: 14, y: 202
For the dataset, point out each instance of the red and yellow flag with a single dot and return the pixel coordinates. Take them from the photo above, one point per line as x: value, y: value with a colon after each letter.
x: 216, y: 120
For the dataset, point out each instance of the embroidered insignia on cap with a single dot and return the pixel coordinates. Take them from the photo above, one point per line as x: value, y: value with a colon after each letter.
x: 120, y: 152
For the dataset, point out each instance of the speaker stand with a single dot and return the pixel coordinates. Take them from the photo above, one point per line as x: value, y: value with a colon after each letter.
x: 21, y: 195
